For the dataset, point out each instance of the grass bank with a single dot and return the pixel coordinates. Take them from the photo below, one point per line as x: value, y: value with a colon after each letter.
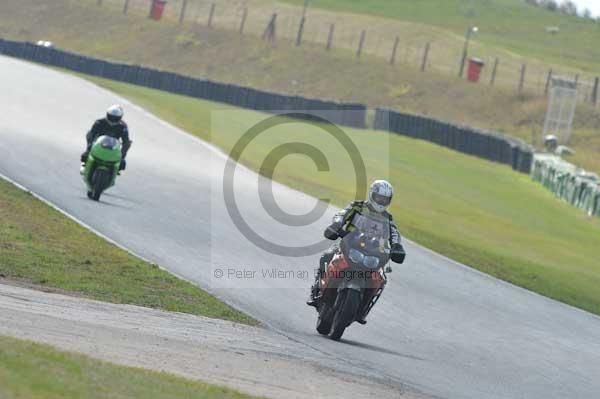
x: 310, y: 71
x: 513, y: 25
x: 35, y: 371
x: 41, y: 247
x: 477, y: 212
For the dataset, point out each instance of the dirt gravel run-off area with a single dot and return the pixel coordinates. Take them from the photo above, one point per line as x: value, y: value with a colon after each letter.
x: 252, y: 359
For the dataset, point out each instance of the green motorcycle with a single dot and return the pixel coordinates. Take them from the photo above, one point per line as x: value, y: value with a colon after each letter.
x: 102, y: 166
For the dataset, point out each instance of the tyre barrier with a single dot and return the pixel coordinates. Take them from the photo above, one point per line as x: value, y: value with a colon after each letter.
x: 483, y: 144
x: 569, y: 183
x: 346, y: 114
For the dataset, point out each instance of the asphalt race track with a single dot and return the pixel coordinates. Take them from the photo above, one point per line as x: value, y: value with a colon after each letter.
x: 440, y: 328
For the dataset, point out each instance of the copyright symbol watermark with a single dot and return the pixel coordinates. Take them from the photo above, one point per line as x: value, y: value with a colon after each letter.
x: 267, y: 168
x: 263, y: 225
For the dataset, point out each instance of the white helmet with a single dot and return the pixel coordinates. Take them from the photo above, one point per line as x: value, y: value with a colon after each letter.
x: 380, y: 195
x: 114, y: 114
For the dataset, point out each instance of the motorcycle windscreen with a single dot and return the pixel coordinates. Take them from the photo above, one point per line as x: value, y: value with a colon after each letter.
x: 370, y: 239
x: 108, y: 142
x: 372, y: 225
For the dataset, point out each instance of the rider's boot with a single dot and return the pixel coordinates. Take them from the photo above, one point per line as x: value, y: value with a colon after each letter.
x: 314, y: 294
x: 312, y: 301
x: 315, y: 290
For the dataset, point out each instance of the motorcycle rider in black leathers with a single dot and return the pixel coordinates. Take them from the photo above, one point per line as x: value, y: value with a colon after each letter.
x: 112, y: 125
x: 380, y: 196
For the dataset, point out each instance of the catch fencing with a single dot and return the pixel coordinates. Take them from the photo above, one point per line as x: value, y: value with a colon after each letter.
x: 397, y: 42
x: 576, y: 186
x: 487, y: 145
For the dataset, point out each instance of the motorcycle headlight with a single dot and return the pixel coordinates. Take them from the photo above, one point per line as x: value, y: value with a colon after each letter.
x: 355, y: 256
x: 371, y: 262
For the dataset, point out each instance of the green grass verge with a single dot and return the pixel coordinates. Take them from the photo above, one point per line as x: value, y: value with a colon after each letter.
x: 29, y: 370
x: 474, y: 211
x: 40, y: 246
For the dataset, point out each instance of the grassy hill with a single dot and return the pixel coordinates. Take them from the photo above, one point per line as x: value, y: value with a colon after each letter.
x: 510, y: 30
x: 510, y: 24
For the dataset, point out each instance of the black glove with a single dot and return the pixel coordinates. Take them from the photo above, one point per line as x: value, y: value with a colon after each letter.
x: 397, y: 253
x: 84, y: 157
x: 335, y: 231
x: 331, y: 233
x: 123, y: 165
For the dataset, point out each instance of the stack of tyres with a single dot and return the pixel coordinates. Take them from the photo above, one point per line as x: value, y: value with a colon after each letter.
x: 567, y: 182
x: 483, y: 144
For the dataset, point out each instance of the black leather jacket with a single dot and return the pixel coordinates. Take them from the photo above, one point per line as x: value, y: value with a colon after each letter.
x: 102, y: 128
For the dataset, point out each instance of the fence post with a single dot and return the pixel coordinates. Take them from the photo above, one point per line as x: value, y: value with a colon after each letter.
x: 300, y: 31
x: 494, y: 71
x: 301, y: 27
x: 330, y: 37
x: 363, y: 35
x: 243, y: 22
x: 522, y: 79
x: 271, y: 28
x: 182, y: 13
x: 211, y: 14
x: 595, y: 91
x: 394, y: 51
x: 548, y: 80
x: 125, y: 7
x: 425, y: 55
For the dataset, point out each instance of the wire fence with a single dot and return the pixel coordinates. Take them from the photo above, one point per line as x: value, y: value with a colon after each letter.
x: 399, y: 43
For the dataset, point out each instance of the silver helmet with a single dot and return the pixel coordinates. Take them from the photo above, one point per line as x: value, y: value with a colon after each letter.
x: 114, y: 114
x: 380, y: 195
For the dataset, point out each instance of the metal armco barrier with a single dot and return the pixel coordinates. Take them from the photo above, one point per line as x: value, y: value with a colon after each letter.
x: 566, y: 181
x: 482, y: 144
x: 487, y: 145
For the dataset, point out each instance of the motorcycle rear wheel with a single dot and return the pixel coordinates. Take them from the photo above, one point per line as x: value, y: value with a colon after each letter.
x: 345, y: 313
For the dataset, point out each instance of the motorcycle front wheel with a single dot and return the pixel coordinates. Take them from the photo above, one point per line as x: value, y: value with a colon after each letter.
x: 100, y: 183
x: 344, y: 313
x: 324, y: 320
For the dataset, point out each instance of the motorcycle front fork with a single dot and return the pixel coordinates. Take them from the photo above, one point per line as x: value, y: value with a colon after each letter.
x: 372, y: 303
